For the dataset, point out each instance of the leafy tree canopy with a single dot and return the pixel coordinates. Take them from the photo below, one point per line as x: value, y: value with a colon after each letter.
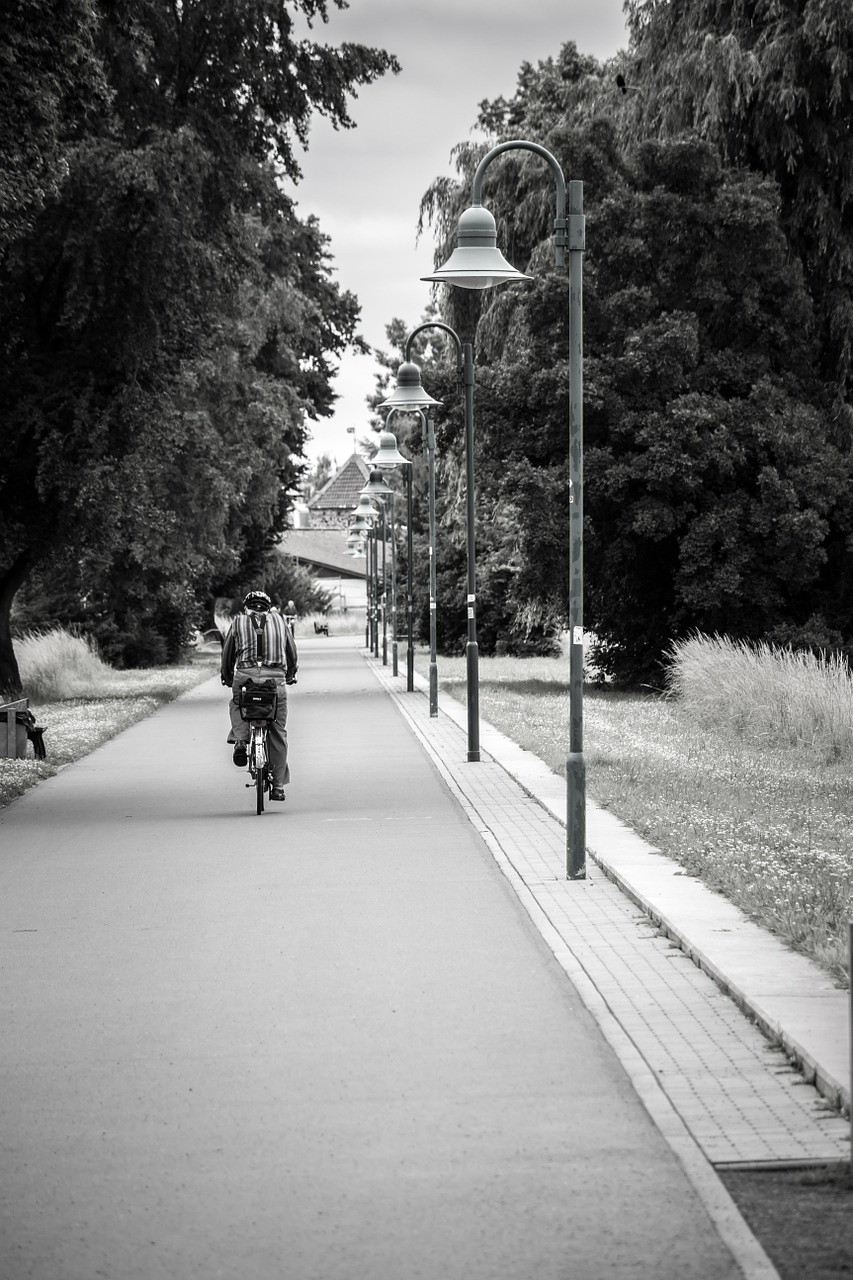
x: 768, y: 83
x: 168, y: 322
x: 50, y: 80
x: 714, y: 494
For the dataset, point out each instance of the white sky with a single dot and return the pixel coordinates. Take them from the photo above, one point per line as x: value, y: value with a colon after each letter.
x: 365, y: 184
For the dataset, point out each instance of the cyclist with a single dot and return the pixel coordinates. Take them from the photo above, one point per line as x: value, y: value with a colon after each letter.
x: 259, y: 646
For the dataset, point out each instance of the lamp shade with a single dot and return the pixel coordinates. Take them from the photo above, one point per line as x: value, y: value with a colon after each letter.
x: 408, y: 393
x: 388, y: 455
x: 377, y: 485
x: 476, y: 262
x: 361, y: 525
x: 365, y: 507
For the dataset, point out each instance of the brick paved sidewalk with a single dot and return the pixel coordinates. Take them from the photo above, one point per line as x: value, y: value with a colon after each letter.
x: 737, y: 1094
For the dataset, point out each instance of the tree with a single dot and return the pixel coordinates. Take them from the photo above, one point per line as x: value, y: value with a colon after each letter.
x: 50, y: 80
x: 712, y: 484
x: 167, y: 306
x: 498, y: 629
x: 768, y: 84
x: 319, y: 475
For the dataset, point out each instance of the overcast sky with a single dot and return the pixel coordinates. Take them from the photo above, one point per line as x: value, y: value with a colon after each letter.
x: 365, y: 184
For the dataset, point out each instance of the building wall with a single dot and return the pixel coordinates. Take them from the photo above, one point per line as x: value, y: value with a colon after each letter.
x: 329, y: 518
x: 347, y: 594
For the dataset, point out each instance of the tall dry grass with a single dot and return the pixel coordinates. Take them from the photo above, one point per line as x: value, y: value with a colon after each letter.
x: 765, y: 693
x: 56, y: 665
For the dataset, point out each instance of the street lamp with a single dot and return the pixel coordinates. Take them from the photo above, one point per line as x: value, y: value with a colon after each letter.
x: 377, y: 488
x: 390, y: 456
x: 356, y: 547
x: 363, y: 525
x: 428, y: 436
x: 409, y: 393
x: 477, y: 263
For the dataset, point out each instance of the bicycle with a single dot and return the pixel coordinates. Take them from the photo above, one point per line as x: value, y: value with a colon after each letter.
x: 258, y: 705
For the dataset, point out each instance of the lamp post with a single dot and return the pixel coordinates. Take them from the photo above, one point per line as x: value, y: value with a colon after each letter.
x: 378, y: 488
x: 356, y: 546
x: 428, y: 435
x: 366, y: 516
x: 375, y: 618
x: 409, y: 393
x: 477, y: 263
x: 388, y: 455
x: 428, y: 426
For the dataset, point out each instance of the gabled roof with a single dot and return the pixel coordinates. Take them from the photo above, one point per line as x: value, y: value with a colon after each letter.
x: 341, y: 493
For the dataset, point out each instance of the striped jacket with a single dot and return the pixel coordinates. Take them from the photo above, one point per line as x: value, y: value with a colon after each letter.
x: 241, y: 644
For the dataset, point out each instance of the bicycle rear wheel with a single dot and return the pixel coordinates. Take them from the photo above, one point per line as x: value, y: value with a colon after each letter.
x: 258, y: 763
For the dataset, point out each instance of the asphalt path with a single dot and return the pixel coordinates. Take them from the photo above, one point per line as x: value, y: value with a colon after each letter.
x: 321, y: 1044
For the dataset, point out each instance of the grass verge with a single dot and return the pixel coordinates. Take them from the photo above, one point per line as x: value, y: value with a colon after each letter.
x: 768, y: 824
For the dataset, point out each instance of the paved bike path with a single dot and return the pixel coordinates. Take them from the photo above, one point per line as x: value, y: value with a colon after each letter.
x: 323, y: 1043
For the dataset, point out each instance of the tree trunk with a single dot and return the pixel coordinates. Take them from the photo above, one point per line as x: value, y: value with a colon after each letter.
x: 15, y: 576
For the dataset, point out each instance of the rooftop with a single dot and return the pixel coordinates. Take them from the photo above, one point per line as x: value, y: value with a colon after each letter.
x: 341, y: 493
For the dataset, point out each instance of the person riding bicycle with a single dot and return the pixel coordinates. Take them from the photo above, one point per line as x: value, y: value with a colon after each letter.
x: 259, y: 646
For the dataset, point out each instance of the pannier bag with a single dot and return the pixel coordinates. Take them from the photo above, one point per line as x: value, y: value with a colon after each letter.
x: 258, y: 700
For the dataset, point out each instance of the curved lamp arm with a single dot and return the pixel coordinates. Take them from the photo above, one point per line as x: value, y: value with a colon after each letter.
x: 434, y: 324
x: 560, y: 239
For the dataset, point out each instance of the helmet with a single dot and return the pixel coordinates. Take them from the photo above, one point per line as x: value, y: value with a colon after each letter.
x: 257, y: 601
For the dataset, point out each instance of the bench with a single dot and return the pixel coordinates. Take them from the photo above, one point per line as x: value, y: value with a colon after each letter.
x: 13, y: 733
x: 321, y: 628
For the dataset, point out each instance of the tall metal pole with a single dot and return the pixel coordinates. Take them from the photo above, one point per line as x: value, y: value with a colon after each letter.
x: 384, y: 591
x: 367, y: 585
x: 575, y: 764
x: 568, y: 231
x: 410, y: 637
x: 472, y: 653
x: 375, y: 540
x: 465, y: 366
x: 429, y: 435
x: 369, y: 555
x: 392, y: 499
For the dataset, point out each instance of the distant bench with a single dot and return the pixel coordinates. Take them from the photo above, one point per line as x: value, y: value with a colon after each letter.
x: 321, y: 628
x: 13, y: 734
x: 17, y: 727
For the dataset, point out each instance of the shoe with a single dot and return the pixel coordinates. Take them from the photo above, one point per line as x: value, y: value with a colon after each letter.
x: 277, y: 793
x: 241, y: 755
